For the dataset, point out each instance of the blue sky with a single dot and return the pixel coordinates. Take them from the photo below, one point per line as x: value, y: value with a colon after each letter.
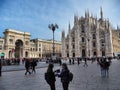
x: 34, y: 16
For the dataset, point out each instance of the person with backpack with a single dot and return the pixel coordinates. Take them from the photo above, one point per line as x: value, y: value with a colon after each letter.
x: 65, y: 76
x: 50, y: 76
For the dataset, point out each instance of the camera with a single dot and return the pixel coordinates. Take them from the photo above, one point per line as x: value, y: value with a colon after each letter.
x: 57, y: 71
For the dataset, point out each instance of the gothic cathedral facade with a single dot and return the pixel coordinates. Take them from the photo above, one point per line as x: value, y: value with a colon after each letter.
x: 90, y: 37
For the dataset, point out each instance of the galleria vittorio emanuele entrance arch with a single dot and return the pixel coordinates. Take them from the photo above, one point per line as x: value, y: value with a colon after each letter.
x: 17, y: 44
x: 19, y: 48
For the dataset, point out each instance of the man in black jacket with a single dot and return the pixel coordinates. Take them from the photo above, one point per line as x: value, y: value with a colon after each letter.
x: 27, y: 66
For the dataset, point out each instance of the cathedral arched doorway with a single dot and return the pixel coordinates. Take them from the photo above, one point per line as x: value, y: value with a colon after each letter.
x: 103, y: 53
x: 83, y: 53
x: 18, y: 48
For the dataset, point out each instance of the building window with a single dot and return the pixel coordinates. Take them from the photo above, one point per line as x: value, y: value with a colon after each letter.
x: 1, y: 42
x: 103, y: 53
x: 26, y: 42
x: 73, y: 39
x: 73, y: 46
x: 0, y: 47
x: 39, y: 55
x: 39, y: 49
x: 83, y: 29
x: 67, y: 54
x: 40, y: 45
x: 94, y: 44
x: 73, y: 54
x: 102, y: 43
x: 94, y: 53
x: 94, y: 37
x: 67, y: 46
x: 83, y: 39
x: 11, y: 41
x: 30, y: 49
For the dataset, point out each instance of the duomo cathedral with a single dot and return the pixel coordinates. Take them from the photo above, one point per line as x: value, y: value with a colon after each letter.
x: 91, y: 37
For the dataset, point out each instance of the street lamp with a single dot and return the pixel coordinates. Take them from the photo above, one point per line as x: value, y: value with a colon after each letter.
x: 53, y: 27
x: 88, y: 48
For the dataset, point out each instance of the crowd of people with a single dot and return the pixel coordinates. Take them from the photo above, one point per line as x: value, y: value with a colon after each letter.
x: 103, y: 62
x: 13, y: 61
x: 30, y: 65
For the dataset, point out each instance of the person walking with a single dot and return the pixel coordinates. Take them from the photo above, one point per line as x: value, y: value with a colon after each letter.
x: 50, y: 76
x: 27, y: 66
x: 78, y: 61
x: 0, y: 67
x: 33, y: 65
x: 64, y: 75
x: 85, y: 62
x: 70, y: 61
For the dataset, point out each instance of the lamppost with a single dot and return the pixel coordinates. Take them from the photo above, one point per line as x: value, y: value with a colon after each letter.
x: 88, y: 48
x: 53, y: 27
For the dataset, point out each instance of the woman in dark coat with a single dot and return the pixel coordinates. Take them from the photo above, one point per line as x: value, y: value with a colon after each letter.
x: 50, y: 76
x: 64, y: 75
x: 27, y: 67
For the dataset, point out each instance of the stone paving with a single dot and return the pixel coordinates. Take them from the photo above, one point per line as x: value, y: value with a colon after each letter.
x: 85, y: 78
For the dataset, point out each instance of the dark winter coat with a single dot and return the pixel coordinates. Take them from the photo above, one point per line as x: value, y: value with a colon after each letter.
x: 64, y: 75
x: 50, y: 77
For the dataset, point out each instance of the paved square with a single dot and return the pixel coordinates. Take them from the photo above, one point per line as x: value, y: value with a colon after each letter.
x: 84, y: 79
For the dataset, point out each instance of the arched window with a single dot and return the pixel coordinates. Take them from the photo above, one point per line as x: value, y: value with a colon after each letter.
x: 26, y: 42
x: 11, y: 41
x: 67, y: 46
x: 83, y: 39
x: 94, y: 44
x: 73, y: 46
x: 83, y: 28
x: 73, y: 39
x: 0, y: 47
x: 94, y: 53
x: 94, y: 37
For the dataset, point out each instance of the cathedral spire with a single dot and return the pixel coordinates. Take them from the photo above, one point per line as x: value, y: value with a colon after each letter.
x: 75, y: 19
x: 105, y: 23
x: 69, y: 26
x: 101, y: 13
x: 63, y: 34
x: 88, y: 13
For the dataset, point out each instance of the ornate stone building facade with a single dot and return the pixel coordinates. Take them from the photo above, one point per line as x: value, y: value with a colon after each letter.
x: 90, y: 37
x: 116, y: 41
x: 17, y: 44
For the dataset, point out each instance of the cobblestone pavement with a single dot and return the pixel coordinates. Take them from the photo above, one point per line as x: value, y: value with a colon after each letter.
x: 85, y: 78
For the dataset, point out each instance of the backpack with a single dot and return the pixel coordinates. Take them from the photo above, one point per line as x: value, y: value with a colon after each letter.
x: 70, y: 76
